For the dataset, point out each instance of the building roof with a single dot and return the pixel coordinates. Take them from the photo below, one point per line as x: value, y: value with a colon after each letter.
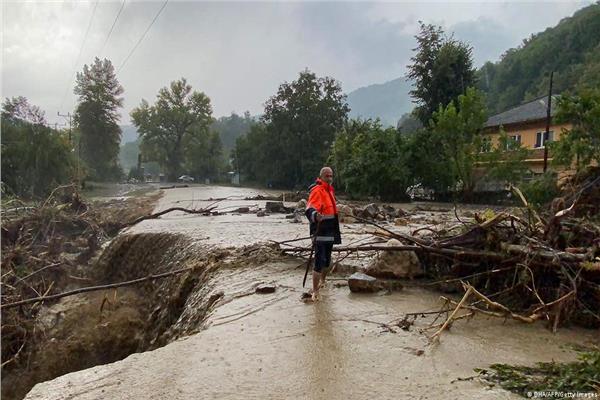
x: 531, y: 111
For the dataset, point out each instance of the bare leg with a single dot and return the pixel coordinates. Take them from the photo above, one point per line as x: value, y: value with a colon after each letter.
x: 323, y: 277
x: 327, y: 250
x: 316, y: 285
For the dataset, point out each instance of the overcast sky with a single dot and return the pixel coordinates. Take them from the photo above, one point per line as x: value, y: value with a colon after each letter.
x: 238, y: 53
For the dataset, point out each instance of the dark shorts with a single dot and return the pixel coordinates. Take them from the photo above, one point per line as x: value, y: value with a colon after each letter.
x: 322, y: 255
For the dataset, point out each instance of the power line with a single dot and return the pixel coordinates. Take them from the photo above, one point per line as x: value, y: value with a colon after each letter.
x: 79, y: 55
x: 143, y: 36
x: 112, y: 27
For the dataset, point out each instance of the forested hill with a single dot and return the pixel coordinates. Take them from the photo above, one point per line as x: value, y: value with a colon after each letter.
x: 387, y: 101
x: 571, y: 49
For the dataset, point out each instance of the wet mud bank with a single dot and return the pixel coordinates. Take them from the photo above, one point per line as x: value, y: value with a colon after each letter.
x: 100, y: 327
x: 272, y: 345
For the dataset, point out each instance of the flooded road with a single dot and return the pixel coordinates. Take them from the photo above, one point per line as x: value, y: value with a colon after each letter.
x: 274, y: 346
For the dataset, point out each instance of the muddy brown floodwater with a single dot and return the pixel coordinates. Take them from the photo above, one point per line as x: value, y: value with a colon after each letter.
x: 274, y: 346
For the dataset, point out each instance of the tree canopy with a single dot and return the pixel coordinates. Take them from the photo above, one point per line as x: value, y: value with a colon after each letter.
x: 296, y: 132
x: 442, y: 69
x: 97, y: 117
x: 582, y: 141
x: 371, y: 161
x: 173, y: 128
x: 35, y: 158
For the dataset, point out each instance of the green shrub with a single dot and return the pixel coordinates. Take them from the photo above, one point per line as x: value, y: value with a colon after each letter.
x: 541, y: 189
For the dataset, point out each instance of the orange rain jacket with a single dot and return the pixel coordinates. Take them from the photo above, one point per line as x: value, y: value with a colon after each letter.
x: 322, y: 200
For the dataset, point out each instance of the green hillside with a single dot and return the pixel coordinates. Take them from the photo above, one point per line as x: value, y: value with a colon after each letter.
x: 571, y: 49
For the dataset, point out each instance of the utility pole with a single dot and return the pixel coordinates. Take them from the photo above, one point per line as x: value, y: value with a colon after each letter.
x: 66, y: 116
x: 548, y: 117
x: 69, y: 117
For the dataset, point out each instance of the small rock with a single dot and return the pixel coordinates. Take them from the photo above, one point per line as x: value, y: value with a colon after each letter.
x: 345, y: 213
x: 261, y: 213
x: 370, y: 211
x: 243, y: 210
x: 265, y: 288
x: 359, y: 282
x: 400, y: 222
x: 276, y: 207
x: 297, y: 217
x: 390, y: 211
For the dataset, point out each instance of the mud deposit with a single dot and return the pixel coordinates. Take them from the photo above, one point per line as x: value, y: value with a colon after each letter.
x: 213, y: 336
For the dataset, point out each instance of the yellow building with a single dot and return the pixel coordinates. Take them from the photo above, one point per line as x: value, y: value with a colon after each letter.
x: 526, y: 124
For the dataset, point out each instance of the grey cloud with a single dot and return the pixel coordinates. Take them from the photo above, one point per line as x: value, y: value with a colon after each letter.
x: 238, y: 53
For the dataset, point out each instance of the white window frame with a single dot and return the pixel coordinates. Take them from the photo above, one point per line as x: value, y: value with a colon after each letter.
x: 543, y: 139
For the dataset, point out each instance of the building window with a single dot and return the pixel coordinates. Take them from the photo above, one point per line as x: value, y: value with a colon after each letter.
x: 486, y: 145
x: 541, y: 138
x: 513, y: 142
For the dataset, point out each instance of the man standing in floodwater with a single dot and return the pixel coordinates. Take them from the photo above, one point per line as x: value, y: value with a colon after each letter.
x: 321, y: 211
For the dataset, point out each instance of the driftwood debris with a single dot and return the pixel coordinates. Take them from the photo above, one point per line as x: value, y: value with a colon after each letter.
x: 519, y: 264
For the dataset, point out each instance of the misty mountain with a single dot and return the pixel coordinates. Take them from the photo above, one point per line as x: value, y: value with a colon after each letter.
x: 387, y: 101
x: 129, y: 134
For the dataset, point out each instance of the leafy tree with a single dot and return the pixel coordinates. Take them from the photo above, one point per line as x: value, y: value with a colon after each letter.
x: 582, y: 141
x: 232, y: 127
x: 128, y: 154
x: 441, y: 69
x: 301, y: 120
x: 204, y: 155
x: 409, y: 123
x: 35, y: 158
x: 249, y: 157
x: 96, y: 117
x: 180, y: 116
x: 371, y: 161
x: 458, y: 127
x: 17, y: 110
x: 430, y: 167
x: 506, y: 161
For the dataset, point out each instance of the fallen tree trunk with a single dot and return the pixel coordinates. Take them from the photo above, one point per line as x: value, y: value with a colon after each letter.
x: 168, y: 210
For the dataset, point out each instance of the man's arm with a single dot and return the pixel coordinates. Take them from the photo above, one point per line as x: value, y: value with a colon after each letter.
x: 313, y: 206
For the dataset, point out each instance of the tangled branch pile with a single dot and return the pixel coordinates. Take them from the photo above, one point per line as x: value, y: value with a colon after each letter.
x: 47, y: 248
x: 517, y: 264
x: 529, y: 267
